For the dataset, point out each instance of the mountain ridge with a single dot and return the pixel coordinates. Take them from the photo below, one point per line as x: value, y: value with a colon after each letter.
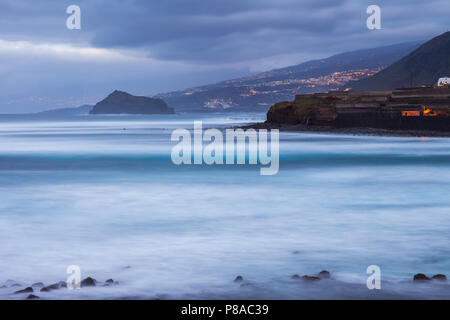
x: 81, y: 110
x: 410, y: 71
x: 266, y: 88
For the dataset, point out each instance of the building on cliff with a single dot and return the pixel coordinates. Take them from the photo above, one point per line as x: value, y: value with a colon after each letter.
x: 442, y: 82
x: 423, y: 108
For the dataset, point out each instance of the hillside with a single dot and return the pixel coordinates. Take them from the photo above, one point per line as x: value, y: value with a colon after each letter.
x: 421, y: 67
x: 264, y: 89
x: 82, y: 110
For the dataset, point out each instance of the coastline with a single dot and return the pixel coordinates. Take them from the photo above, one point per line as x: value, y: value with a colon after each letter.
x: 321, y: 285
x: 349, y: 131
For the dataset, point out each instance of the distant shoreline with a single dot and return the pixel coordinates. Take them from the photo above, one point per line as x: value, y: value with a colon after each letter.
x: 348, y: 131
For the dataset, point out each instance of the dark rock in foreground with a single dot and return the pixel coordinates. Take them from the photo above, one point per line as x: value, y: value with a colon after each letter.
x: 110, y: 282
x: 310, y: 278
x: 26, y: 290
x: 421, y: 277
x: 120, y: 102
x: 58, y: 285
x: 32, y: 297
x: 88, y: 282
x: 10, y: 283
x: 54, y: 286
x: 38, y: 285
x: 324, y: 274
x: 441, y: 277
x: 239, y: 279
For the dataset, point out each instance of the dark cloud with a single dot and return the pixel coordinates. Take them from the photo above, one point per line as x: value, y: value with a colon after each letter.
x: 216, y: 39
x: 208, y: 30
x: 202, y: 30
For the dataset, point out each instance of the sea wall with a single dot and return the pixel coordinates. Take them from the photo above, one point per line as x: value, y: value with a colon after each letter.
x: 381, y: 121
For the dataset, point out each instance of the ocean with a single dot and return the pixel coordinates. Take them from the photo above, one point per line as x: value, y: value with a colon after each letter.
x: 102, y: 193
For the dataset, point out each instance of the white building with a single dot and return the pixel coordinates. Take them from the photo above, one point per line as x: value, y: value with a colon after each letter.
x: 444, y: 82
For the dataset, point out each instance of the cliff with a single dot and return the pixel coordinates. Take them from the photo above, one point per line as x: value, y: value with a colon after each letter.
x: 404, y: 109
x: 120, y: 102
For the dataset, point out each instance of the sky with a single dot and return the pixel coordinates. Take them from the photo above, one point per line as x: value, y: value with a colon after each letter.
x: 147, y: 47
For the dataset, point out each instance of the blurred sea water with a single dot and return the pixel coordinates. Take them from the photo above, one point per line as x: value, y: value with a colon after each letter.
x: 102, y: 193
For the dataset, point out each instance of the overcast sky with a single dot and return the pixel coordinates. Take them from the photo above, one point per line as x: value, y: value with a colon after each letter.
x: 151, y: 46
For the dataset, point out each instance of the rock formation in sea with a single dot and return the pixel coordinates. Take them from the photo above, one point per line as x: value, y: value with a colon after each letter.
x: 120, y: 102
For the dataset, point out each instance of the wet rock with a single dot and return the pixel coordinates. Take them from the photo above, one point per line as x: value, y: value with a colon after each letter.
x: 110, y: 282
x: 32, y: 297
x: 295, y: 252
x: 441, y: 277
x: 420, y: 277
x: 246, y: 284
x: 26, y: 290
x: 324, y: 274
x: 295, y: 276
x: 54, y: 286
x: 310, y: 278
x: 37, y: 285
x: 58, y: 285
x: 11, y: 283
x: 126, y: 267
x: 88, y: 282
x: 239, y: 279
